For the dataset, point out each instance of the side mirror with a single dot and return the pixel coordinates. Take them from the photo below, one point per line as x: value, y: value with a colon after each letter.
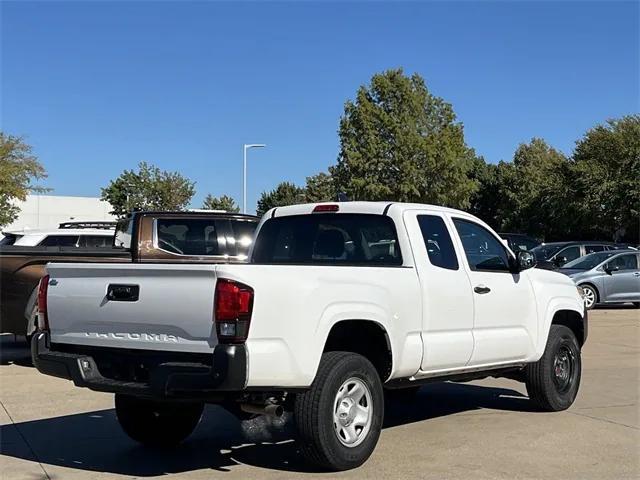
x: 610, y: 269
x: 559, y: 261
x: 525, y: 260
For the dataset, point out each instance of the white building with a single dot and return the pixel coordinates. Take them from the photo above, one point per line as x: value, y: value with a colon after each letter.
x: 48, y: 211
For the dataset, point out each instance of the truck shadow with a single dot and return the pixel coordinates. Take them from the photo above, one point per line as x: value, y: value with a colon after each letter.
x: 94, y: 442
x: 14, y: 351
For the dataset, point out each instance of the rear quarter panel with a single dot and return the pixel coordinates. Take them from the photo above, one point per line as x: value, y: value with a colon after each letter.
x: 295, y: 308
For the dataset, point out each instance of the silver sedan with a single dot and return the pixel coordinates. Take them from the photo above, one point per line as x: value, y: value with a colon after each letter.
x: 607, y: 277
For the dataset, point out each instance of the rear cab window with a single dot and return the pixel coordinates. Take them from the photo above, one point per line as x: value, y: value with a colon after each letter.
x: 328, y: 239
x: 190, y: 236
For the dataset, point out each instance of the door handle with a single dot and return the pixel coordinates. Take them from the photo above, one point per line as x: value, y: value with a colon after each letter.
x: 123, y: 293
x: 481, y: 289
x: 636, y: 274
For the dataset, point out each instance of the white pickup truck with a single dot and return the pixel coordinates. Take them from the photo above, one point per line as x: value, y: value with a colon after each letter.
x: 339, y: 302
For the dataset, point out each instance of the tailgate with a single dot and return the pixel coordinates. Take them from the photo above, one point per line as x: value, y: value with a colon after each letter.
x: 165, y: 307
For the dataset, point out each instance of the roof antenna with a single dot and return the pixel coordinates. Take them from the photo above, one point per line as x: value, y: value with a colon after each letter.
x: 342, y: 197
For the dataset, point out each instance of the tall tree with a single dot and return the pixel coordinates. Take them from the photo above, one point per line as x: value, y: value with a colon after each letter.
x: 400, y: 142
x: 149, y: 188
x: 285, y: 193
x: 607, y: 178
x: 537, y: 189
x: 224, y: 202
x: 487, y: 202
x: 320, y: 188
x: 18, y: 168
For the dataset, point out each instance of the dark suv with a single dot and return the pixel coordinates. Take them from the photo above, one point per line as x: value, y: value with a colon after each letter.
x: 556, y: 254
x: 520, y: 241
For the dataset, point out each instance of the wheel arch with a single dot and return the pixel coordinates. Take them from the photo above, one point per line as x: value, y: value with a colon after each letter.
x: 560, y: 311
x: 366, y: 337
x: 573, y: 321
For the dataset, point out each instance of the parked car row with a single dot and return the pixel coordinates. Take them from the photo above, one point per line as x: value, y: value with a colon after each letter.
x: 337, y: 304
x: 557, y: 254
x: 611, y: 276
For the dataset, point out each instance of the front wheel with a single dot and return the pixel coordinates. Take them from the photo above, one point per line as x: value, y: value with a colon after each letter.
x: 157, y: 424
x: 340, y: 417
x: 590, y: 296
x: 553, y: 381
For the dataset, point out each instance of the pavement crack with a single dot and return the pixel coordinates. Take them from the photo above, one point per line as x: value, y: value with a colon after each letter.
x: 604, y: 420
x: 24, y: 439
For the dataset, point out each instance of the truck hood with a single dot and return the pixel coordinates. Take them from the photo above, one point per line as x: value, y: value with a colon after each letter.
x: 571, y: 272
x: 551, y: 277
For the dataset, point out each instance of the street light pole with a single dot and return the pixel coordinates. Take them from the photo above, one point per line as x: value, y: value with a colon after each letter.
x: 246, y: 147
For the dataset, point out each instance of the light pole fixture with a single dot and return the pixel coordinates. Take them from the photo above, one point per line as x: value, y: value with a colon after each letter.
x: 246, y: 147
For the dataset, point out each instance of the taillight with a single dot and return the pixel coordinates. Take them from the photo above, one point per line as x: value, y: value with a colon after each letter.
x: 43, y: 320
x: 332, y: 207
x: 232, y: 309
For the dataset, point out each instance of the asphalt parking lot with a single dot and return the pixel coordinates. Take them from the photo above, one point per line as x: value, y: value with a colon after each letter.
x: 485, y: 429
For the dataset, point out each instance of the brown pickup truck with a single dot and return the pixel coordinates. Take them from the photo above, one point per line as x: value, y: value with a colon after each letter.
x: 144, y: 237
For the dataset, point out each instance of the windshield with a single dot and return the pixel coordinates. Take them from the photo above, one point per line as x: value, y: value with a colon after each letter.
x: 544, y: 252
x: 588, y: 261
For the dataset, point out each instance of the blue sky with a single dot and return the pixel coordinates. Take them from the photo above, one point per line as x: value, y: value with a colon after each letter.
x: 97, y: 87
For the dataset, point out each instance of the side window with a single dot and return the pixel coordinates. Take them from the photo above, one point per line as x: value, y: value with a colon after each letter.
x: 482, y: 249
x: 438, y: 242
x: 568, y: 254
x: 624, y: 262
x: 59, y: 241
x: 593, y: 248
x: 95, y: 241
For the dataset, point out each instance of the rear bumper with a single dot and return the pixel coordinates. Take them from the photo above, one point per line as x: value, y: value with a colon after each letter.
x: 166, y: 375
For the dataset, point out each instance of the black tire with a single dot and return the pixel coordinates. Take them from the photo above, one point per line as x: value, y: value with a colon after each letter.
x: 157, y: 424
x: 314, y: 412
x: 636, y: 304
x: 591, y: 290
x: 553, y: 381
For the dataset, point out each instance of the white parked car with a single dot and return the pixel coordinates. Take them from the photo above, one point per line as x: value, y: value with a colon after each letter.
x: 69, y: 234
x: 339, y: 302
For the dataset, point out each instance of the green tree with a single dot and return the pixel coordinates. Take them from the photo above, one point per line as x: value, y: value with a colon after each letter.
x: 285, y: 193
x: 148, y: 189
x: 399, y: 142
x: 320, y: 188
x: 487, y: 202
x: 18, y: 168
x: 224, y: 202
x: 536, y: 189
x: 606, y: 172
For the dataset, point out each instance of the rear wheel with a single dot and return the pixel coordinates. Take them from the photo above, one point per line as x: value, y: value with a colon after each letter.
x: 340, y: 417
x: 157, y: 424
x: 590, y: 296
x: 553, y: 381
